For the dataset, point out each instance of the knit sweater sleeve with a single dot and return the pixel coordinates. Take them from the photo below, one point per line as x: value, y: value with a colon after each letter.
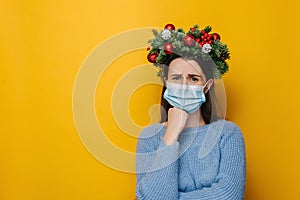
x: 230, y: 181
x: 156, y: 167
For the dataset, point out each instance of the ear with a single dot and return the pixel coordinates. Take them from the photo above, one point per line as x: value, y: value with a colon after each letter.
x: 208, y: 84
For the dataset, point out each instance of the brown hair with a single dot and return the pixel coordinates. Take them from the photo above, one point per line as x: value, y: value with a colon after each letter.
x: 207, y: 111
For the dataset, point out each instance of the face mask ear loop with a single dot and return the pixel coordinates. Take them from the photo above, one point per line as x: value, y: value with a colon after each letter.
x: 206, y: 85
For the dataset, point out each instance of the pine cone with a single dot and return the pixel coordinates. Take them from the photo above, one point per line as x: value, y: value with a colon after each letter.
x: 224, y: 55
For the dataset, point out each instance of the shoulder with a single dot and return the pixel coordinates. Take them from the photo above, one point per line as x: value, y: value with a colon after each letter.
x: 224, y: 127
x: 230, y: 126
x: 231, y: 131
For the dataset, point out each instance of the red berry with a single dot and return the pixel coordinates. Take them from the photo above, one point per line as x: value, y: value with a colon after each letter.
x: 148, y: 48
x: 210, y: 42
x: 203, y: 32
x: 198, y: 40
x: 192, y: 29
x: 170, y: 27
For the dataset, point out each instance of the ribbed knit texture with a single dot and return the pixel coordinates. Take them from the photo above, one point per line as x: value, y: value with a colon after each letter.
x: 206, y: 163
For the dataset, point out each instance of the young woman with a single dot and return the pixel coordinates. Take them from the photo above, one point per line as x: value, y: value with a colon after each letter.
x: 191, y: 154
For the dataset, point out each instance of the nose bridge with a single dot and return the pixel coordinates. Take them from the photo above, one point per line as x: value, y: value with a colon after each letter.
x: 184, y: 79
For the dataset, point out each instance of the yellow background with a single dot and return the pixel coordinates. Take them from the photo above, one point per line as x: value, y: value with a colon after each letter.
x: 43, y: 44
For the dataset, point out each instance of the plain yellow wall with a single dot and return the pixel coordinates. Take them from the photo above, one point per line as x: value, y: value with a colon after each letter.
x: 44, y: 43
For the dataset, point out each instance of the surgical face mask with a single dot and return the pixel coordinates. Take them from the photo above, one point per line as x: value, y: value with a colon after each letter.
x: 185, y: 97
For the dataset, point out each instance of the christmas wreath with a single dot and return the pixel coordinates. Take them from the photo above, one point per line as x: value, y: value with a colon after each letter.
x: 196, y: 43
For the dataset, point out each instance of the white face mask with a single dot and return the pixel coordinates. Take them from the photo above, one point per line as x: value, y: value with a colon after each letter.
x: 185, y: 97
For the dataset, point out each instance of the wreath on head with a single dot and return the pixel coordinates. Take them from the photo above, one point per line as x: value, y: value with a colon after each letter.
x: 196, y: 43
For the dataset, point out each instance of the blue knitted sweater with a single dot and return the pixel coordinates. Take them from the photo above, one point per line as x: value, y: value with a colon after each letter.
x: 206, y: 163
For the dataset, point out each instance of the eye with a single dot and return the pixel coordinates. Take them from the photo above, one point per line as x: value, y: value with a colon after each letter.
x: 175, y: 78
x: 194, y: 79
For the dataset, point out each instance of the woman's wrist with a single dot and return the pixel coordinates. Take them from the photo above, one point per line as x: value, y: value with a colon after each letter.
x: 171, y: 136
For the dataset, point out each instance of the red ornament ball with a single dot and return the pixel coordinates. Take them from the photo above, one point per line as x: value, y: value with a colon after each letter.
x: 152, y: 57
x: 216, y: 36
x: 188, y: 41
x: 170, y: 27
x: 168, y: 47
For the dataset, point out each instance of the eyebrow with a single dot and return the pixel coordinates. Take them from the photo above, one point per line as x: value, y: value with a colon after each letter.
x: 190, y: 75
x: 176, y: 74
x: 195, y: 75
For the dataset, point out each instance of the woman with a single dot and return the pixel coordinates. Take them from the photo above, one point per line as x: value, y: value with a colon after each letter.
x: 192, y: 154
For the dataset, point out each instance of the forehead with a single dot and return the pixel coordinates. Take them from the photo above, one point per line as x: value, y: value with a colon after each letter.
x: 185, y: 66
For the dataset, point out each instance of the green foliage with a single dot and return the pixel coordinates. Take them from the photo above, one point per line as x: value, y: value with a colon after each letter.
x: 207, y: 29
x: 155, y: 32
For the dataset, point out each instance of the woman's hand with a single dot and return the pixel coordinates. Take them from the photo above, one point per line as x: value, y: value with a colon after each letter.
x: 176, y: 122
